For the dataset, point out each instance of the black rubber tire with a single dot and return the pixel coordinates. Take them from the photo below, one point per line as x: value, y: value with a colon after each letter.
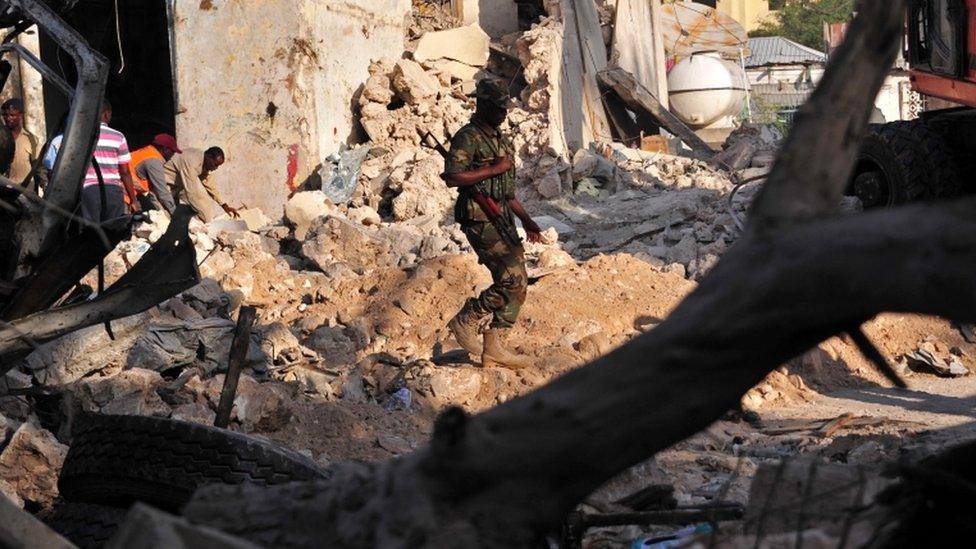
x: 86, y: 525
x: 116, y: 460
x: 911, y: 162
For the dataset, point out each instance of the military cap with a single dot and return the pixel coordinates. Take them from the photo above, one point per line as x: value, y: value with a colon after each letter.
x: 493, y: 91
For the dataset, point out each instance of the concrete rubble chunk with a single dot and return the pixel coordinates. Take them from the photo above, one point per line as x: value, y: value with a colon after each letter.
x: 262, y: 406
x: 461, y: 52
x: 30, y: 463
x: 455, y: 386
x: 364, y: 215
x: 254, y: 218
x: 468, y: 45
x: 131, y: 393
x: 458, y: 70
x: 412, y: 83
x: 306, y: 207
x: 151, y: 528
x: 336, y: 241
x: 86, y: 352
x: 18, y: 528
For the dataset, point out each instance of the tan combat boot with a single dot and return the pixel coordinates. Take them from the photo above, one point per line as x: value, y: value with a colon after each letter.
x: 495, y: 355
x: 466, y: 327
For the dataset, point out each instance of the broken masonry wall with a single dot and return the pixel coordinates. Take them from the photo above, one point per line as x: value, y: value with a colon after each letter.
x: 351, y: 34
x: 273, y: 83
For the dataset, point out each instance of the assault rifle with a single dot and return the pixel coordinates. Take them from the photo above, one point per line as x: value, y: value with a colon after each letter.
x: 503, y: 224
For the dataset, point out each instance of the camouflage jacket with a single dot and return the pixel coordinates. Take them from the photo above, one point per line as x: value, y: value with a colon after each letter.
x: 474, y: 147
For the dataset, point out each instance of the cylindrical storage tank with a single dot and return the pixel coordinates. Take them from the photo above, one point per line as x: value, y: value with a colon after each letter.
x: 705, y: 88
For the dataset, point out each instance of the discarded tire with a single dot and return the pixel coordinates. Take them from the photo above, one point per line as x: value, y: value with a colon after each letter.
x: 116, y: 460
x: 86, y: 525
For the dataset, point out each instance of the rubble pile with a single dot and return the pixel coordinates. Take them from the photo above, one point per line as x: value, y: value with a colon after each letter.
x: 351, y: 358
x: 529, y: 124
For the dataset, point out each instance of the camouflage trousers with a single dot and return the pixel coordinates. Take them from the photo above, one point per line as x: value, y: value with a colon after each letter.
x: 504, y: 298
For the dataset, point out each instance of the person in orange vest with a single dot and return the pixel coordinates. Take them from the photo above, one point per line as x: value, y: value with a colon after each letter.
x: 148, y: 174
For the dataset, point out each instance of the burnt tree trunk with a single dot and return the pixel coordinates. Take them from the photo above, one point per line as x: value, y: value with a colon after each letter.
x: 506, y: 476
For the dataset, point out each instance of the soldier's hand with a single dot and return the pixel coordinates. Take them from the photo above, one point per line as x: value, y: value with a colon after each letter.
x: 504, y: 164
x: 534, y: 237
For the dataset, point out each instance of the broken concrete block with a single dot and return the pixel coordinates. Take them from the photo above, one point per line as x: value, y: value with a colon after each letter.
x: 456, y: 69
x: 364, y: 215
x: 19, y: 528
x: 550, y: 185
x: 594, y: 345
x: 468, y: 45
x: 306, y: 207
x: 262, y: 406
x: 131, y: 393
x: 194, y: 412
x: 254, y: 218
x: 455, y: 386
x: 226, y: 224
x: 86, y: 352
x: 548, y: 222
x: 31, y: 462
x: 377, y: 89
x: 150, y: 528
x: 412, y: 83
x: 335, y: 241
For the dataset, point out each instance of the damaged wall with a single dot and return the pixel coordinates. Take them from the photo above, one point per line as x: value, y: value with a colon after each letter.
x: 497, y: 17
x: 273, y: 83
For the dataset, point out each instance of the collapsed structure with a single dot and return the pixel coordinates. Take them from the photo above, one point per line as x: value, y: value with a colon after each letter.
x: 355, y: 282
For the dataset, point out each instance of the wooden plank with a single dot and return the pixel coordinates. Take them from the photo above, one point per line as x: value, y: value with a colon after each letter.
x: 641, y: 99
x: 834, y: 425
x: 585, y: 55
x: 235, y: 365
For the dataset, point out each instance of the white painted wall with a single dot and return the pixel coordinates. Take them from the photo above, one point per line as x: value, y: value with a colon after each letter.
x: 233, y: 60
x: 785, y: 74
x: 894, y: 99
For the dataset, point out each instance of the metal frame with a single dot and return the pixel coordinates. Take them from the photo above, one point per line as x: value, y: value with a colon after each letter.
x: 39, y: 66
x: 79, y: 137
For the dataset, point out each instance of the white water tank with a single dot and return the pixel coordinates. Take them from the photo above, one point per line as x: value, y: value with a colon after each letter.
x: 706, y: 90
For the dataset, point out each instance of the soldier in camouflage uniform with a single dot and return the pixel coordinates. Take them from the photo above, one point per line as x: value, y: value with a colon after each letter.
x: 480, y: 161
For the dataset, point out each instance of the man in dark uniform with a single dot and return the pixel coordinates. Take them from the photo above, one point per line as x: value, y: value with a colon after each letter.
x: 480, y: 161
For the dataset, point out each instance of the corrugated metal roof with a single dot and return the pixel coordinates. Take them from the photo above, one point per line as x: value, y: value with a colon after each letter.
x: 776, y: 50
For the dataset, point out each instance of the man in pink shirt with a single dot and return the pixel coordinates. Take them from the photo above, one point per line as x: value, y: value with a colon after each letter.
x: 103, y: 204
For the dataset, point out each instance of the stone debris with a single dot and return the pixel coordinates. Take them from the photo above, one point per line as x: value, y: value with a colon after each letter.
x: 412, y: 83
x: 350, y: 353
x: 130, y: 393
x: 934, y: 357
x: 461, y: 52
x: 29, y: 466
x: 304, y: 208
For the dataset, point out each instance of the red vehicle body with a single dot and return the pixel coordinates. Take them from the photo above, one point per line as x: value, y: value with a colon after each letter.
x: 960, y: 87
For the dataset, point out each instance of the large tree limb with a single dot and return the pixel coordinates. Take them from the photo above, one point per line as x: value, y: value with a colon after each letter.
x: 505, y: 476
x: 523, y: 465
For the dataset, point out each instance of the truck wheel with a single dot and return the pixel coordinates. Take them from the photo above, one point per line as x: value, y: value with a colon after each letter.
x: 902, y: 162
x: 116, y: 460
x: 86, y: 525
